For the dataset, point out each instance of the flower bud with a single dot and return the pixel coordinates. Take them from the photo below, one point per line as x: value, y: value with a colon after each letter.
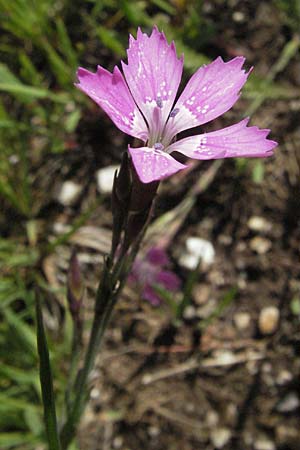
x: 142, y: 194
x: 120, y: 200
x: 75, y: 288
x: 122, y: 182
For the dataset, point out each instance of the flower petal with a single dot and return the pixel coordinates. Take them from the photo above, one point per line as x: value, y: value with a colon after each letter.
x: 151, y: 296
x: 169, y: 280
x: 235, y: 141
x: 157, y: 256
x: 110, y: 92
x: 153, y: 73
x: 152, y: 164
x: 210, y: 92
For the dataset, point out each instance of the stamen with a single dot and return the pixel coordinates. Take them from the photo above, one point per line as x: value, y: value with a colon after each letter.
x: 174, y: 112
x: 159, y: 102
x: 158, y: 146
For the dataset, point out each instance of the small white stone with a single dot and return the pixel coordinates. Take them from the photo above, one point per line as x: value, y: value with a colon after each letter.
x: 285, y: 434
x: 238, y: 16
x: 69, y: 193
x: 117, y: 442
x: 13, y: 159
x: 190, y: 407
x: 201, y: 293
x: 95, y: 393
x: 242, y: 320
x: 220, y: 437
x: 260, y: 245
x: 201, y: 248
x: 153, y: 431
x: 266, y: 368
x: 224, y: 357
x: 189, y: 312
x: 284, y: 377
x: 264, y: 444
x: 105, y: 179
x: 268, y: 320
x: 197, y: 249
x: 289, y: 403
x: 259, y: 224
x: 212, y: 418
x: 189, y: 261
x: 224, y: 239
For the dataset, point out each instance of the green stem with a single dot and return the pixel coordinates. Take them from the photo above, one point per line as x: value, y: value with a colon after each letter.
x: 75, y: 358
x: 110, y: 287
x: 46, y: 383
x: 99, y: 323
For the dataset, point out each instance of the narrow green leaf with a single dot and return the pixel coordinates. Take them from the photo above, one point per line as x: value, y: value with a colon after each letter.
x: 258, y: 172
x: 59, y: 66
x: 8, y: 440
x: 136, y: 13
x: 19, y: 376
x: 71, y: 121
x: 65, y: 44
x: 110, y: 40
x: 33, y: 420
x: 29, y: 72
x: 23, y: 331
x: 46, y: 382
x: 7, y: 76
x: 187, y: 293
x: 165, y: 6
x: 224, y: 303
x: 295, y: 306
x: 31, y: 92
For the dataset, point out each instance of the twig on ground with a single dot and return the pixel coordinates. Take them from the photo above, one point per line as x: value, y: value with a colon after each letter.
x: 223, y: 360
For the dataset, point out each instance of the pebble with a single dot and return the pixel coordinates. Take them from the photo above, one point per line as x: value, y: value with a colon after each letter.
x: 224, y: 357
x: 188, y: 261
x: 117, y: 442
x: 242, y: 320
x: 284, y: 377
x: 238, y: 16
x: 259, y: 224
x: 220, y: 437
x: 197, y: 249
x: 206, y: 310
x: 13, y: 159
x: 264, y: 444
x: 268, y: 320
x: 202, y: 248
x: 286, y: 434
x: 267, y: 368
x: 224, y: 239
x: 190, y: 312
x: 95, y: 393
x: 212, y: 418
x: 232, y: 413
x: 105, y: 179
x: 260, y: 245
x: 201, y: 293
x: 69, y: 193
x: 289, y: 403
x: 153, y: 431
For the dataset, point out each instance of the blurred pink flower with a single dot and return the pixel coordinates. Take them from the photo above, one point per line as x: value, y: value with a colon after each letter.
x: 143, y: 105
x: 150, y: 272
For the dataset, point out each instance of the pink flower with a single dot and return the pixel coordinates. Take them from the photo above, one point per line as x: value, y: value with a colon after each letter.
x: 142, y: 104
x: 150, y: 272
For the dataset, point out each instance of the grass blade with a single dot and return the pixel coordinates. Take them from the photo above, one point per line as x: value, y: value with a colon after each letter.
x: 46, y: 382
x: 9, y: 440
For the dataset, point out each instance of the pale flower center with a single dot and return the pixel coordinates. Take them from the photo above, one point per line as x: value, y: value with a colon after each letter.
x: 157, y: 137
